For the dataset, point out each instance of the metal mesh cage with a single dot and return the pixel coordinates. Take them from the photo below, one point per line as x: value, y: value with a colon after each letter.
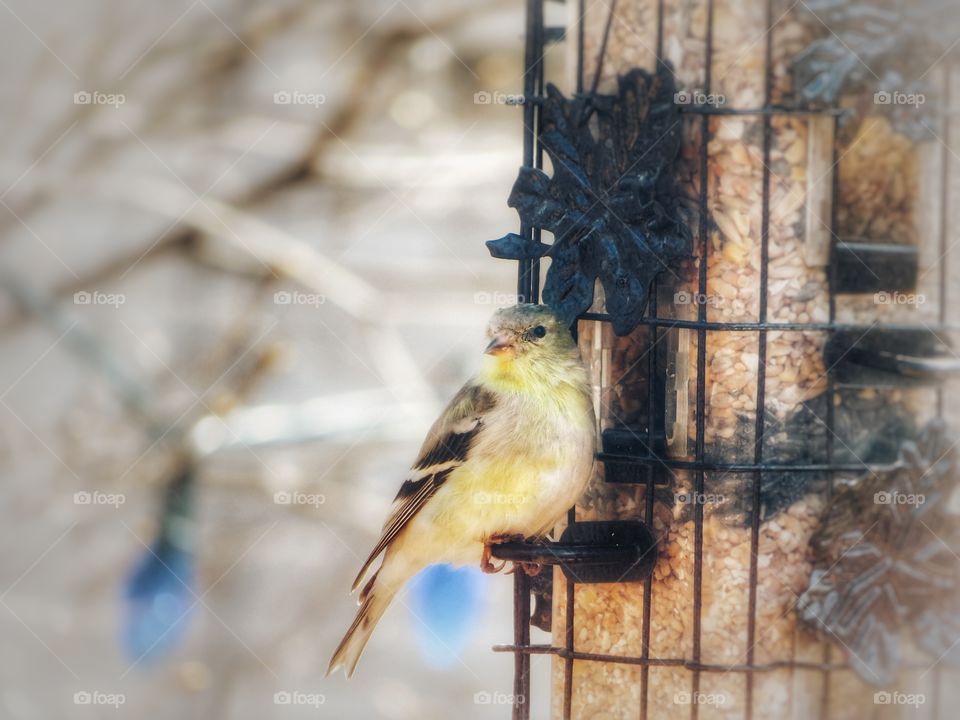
x: 799, y: 348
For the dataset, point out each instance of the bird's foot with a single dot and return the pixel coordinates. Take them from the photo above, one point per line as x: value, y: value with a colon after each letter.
x: 532, y: 569
x: 485, y: 564
x: 490, y: 569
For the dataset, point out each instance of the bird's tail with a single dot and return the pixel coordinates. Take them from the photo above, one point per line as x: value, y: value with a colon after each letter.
x: 374, y: 600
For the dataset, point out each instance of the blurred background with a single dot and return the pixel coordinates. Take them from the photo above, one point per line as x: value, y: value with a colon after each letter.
x: 242, y: 268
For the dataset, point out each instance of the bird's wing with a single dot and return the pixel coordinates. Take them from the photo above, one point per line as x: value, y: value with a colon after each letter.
x: 444, y: 450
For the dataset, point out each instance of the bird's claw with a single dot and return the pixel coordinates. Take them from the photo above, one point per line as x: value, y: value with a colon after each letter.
x: 532, y: 569
x: 491, y: 569
x: 485, y: 564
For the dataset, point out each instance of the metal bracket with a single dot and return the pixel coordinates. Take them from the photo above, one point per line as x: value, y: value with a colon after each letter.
x: 874, y: 267
x: 591, y: 552
x: 884, y: 357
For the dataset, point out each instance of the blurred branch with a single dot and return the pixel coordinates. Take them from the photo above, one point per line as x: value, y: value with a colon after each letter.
x: 293, y: 258
x: 132, y: 392
x: 218, y: 61
x: 136, y: 395
x: 381, y: 50
x: 331, y: 417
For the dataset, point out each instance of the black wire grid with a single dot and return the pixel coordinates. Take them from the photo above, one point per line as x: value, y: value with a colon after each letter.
x: 538, y: 36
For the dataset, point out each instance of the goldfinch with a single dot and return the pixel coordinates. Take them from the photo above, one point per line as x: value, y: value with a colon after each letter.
x: 510, y: 454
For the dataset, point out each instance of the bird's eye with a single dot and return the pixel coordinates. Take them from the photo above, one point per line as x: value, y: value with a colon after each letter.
x: 539, y: 331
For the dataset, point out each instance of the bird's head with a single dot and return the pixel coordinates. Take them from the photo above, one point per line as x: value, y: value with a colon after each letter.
x: 528, y: 344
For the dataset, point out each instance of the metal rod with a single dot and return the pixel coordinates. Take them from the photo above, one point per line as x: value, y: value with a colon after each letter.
x: 682, y: 662
x: 765, y: 110
x: 832, y: 292
x: 774, y: 326
x: 659, y: 53
x: 539, y: 98
x: 943, y: 260
x: 652, y: 408
x: 699, y: 449
x: 528, y: 274
x: 603, y: 48
x: 533, y: 66
x: 521, y: 638
x: 581, y: 12
x: 761, y: 369
x: 675, y: 464
x: 944, y: 263
x: 572, y: 513
x: 533, y: 271
x: 568, y: 637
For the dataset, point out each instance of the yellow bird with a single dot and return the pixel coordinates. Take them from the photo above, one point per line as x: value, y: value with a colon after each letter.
x: 510, y: 454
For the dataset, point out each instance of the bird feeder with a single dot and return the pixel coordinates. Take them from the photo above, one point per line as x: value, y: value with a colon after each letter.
x: 751, y: 237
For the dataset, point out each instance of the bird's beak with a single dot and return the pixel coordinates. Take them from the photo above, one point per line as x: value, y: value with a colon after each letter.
x: 500, y: 344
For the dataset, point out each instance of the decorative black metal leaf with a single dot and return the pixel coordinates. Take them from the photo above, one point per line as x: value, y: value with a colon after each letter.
x: 887, y: 561
x: 610, y: 202
x: 878, y: 48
